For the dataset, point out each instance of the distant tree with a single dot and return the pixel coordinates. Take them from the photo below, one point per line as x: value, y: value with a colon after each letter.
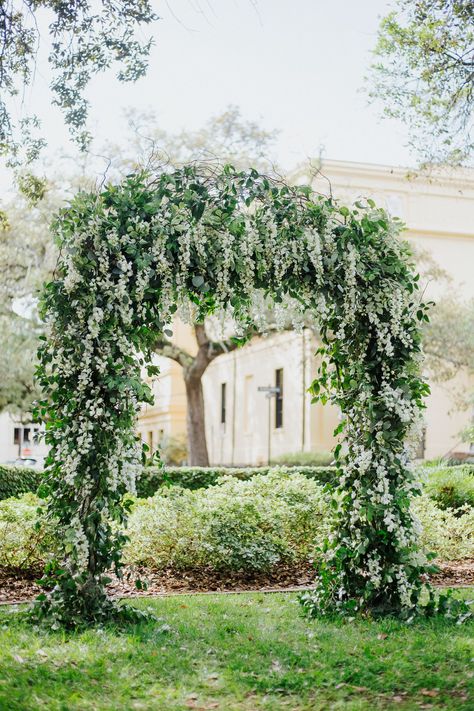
x: 18, y: 389
x: 449, y: 341
x: 449, y: 334
x: 424, y: 75
x: 449, y: 349
x: 224, y: 138
x: 193, y: 369
x: 27, y: 251
x: 27, y: 258
x: 84, y: 39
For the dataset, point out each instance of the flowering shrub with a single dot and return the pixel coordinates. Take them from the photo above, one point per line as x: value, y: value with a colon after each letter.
x: 450, y: 487
x: 448, y: 532
x: 228, y: 243
x: 237, y: 525
x: 23, y: 543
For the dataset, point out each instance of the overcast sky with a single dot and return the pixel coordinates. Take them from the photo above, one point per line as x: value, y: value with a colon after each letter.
x: 293, y: 65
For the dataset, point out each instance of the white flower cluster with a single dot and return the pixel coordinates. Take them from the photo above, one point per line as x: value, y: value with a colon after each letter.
x: 399, y: 402
x: 78, y: 543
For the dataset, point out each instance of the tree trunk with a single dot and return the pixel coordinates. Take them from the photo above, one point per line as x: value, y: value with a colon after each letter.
x: 193, y: 370
x: 197, y: 454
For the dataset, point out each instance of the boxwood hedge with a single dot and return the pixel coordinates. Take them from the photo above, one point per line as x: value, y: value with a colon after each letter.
x: 15, y: 481
x: 450, y: 487
x: 153, y: 478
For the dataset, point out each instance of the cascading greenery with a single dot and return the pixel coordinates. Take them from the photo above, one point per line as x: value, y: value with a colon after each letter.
x: 228, y: 242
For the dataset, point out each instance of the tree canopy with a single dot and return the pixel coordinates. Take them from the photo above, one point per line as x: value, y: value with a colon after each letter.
x: 227, y: 137
x: 84, y: 38
x: 423, y: 74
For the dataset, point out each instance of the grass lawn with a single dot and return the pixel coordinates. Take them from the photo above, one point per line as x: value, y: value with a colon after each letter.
x: 246, y: 652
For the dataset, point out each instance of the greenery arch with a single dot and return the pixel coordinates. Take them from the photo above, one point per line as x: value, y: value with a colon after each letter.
x: 129, y: 256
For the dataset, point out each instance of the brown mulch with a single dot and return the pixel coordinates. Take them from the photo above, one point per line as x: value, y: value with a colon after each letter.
x: 455, y: 573
x: 16, y: 587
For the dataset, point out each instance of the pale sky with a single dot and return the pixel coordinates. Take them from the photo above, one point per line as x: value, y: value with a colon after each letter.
x: 293, y: 65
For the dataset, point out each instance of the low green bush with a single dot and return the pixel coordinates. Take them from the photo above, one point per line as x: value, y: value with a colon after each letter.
x: 23, y: 544
x: 304, y: 459
x: 236, y: 525
x: 447, y: 532
x: 15, y: 481
x: 255, y: 524
x: 450, y: 487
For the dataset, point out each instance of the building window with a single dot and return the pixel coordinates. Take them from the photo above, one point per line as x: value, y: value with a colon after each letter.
x: 17, y: 435
x: 248, y: 404
x: 26, y: 434
x: 279, y: 398
x: 223, y: 403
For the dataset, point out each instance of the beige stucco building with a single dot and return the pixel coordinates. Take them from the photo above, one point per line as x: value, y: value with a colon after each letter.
x: 167, y: 416
x: 243, y: 426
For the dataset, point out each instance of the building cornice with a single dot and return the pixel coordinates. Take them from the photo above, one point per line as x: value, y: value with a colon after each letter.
x: 454, y: 178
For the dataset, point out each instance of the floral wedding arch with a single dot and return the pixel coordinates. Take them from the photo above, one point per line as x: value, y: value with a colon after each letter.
x: 130, y: 256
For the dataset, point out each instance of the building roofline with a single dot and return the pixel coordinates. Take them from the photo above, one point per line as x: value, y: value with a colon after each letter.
x: 458, y: 177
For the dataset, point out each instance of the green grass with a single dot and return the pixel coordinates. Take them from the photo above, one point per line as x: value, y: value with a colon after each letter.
x: 245, y: 652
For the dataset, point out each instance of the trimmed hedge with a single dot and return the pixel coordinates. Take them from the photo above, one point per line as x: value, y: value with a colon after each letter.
x: 15, y: 481
x: 304, y: 459
x: 450, y: 487
x: 193, y: 478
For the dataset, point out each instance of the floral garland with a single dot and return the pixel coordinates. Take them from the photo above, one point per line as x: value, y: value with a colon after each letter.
x: 138, y: 251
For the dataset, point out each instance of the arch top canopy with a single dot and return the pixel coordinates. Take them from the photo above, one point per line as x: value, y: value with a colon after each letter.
x: 220, y: 239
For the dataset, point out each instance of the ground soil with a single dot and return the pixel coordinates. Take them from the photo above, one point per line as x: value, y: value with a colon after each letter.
x: 17, y: 587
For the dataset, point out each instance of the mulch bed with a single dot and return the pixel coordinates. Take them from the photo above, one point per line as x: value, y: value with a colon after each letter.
x: 16, y: 587
x: 455, y: 573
